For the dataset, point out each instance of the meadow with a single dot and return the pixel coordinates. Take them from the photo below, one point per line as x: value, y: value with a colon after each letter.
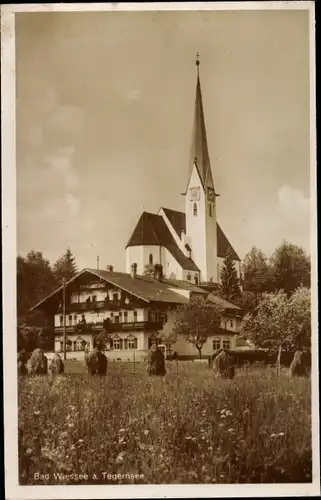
x: 187, y: 427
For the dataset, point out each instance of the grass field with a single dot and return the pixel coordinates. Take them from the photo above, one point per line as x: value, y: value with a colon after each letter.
x: 187, y: 427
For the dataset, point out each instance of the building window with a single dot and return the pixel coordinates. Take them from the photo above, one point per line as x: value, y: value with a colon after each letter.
x: 196, y: 279
x: 83, y: 319
x: 115, y: 297
x: 61, y: 320
x: 163, y: 318
x: 69, y: 320
x: 153, y: 316
x: 231, y: 323
x: 135, y: 316
x: 189, y: 277
x: 210, y: 209
x: 120, y: 317
x: 75, y: 319
x: 226, y: 344
x: 125, y: 317
x: 216, y: 344
x: 195, y: 209
x: 132, y: 342
x: 117, y: 344
x: 80, y: 344
x: 94, y: 297
x: 116, y: 319
x: 150, y: 259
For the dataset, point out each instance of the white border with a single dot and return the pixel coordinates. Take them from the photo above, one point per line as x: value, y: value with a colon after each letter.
x: 13, y: 490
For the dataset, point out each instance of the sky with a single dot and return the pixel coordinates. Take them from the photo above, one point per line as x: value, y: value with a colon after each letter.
x: 104, y: 115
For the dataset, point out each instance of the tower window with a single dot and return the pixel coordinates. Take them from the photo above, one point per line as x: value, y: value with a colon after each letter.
x: 150, y: 259
x: 195, y: 209
x: 210, y: 210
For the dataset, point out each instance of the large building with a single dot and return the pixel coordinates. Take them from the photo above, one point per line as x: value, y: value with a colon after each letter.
x: 190, y: 245
x: 133, y: 310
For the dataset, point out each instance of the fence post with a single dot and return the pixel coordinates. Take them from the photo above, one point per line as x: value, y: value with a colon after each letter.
x: 278, y: 362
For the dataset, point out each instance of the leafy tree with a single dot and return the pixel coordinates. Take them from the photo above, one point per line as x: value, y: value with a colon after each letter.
x: 31, y: 337
x: 149, y: 271
x: 35, y: 280
x: 290, y: 267
x: 196, y: 321
x: 281, y: 321
x: 230, y: 283
x: 65, y: 267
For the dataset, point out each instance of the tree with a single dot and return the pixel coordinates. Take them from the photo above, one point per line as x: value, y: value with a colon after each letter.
x: 230, y: 284
x: 31, y: 337
x: 35, y: 280
x: 281, y: 321
x: 290, y: 268
x: 149, y: 271
x: 255, y: 271
x: 196, y: 321
x: 65, y: 267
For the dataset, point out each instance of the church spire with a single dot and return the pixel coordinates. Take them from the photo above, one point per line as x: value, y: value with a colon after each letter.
x: 199, y: 149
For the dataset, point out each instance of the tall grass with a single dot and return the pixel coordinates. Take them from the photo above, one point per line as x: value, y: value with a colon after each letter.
x: 187, y: 427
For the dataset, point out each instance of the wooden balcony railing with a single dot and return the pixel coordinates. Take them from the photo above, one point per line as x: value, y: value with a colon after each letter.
x: 112, y: 327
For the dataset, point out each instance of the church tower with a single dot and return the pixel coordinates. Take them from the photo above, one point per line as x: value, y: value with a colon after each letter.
x: 200, y: 198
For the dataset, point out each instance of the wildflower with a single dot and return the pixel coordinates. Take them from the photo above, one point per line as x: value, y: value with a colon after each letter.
x: 80, y: 440
x: 29, y: 451
x: 71, y: 425
x: 281, y: 433
x: 188, y: 437
x: 146, y: 432
x: 231, y: 430
x: 273, y: 435
x: 120, y: 457
x: 37, y: 412
x: 121, y: 430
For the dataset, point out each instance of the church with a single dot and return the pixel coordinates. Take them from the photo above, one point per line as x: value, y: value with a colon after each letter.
x: 189, y: 245
x: 171, y: 258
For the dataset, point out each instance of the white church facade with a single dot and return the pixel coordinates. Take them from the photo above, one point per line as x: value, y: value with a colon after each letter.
x: 189, y: 245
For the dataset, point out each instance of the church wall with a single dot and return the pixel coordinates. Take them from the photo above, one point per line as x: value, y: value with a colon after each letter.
x: 170, y: 265
x: 134, y: 255
x: 195, y: 225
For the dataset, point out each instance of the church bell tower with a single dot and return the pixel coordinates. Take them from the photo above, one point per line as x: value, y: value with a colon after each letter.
x: 200, y: 197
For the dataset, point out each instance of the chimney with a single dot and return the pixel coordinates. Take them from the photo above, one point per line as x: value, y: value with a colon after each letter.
x: 158, y: 272
x: 110, y: 268
x: 183, y: 237
x: 133, y: 271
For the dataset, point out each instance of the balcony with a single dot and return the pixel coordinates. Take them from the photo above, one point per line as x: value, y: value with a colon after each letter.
x: 110, y: 305
x: 113, y: 327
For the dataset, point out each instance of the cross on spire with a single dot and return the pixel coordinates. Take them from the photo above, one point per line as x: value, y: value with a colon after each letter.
x: 197, y: 62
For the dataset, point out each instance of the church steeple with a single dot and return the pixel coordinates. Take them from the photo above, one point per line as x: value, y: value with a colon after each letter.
x: 199, y: 149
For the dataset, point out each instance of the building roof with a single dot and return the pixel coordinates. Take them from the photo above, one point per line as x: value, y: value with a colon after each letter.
x: 151, y: 229
x: 178, y: 221
x: 185, y: 285
x: 222, y: 302
x: 145, y: 288
x: 199, y: 155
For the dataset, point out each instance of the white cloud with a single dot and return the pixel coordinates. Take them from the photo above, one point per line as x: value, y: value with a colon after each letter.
x: 73, y: 204
x: 292, y: 203
x: 62, y: 163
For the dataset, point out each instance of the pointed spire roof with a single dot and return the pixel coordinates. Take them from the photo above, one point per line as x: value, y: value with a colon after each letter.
x: 199, y: 149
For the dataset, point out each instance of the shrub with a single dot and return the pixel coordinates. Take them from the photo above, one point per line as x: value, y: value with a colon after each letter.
x: 156, y: 362
x: 37, y: 363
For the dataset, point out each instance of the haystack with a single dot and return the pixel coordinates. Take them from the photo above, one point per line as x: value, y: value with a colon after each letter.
x: 156, y: 362
x: 298, y: 367
x: 56, y: 366
x: 37, y: 363
x: 223, y: 365
x: 96, y: 362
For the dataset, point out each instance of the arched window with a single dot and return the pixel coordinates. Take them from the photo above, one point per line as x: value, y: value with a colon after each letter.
x: 210, y: 209
x: 117, y: 343
x: 196, y: 279
x: 173, y: 276
x: 188, y: 277
x: 216, y: 344
x: 150, y: 259
x: 195, y: 209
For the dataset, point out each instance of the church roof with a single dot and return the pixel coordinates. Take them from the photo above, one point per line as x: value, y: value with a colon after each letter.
x: 178, y: 221
x: 199, y: 155
x: 151, y: 229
